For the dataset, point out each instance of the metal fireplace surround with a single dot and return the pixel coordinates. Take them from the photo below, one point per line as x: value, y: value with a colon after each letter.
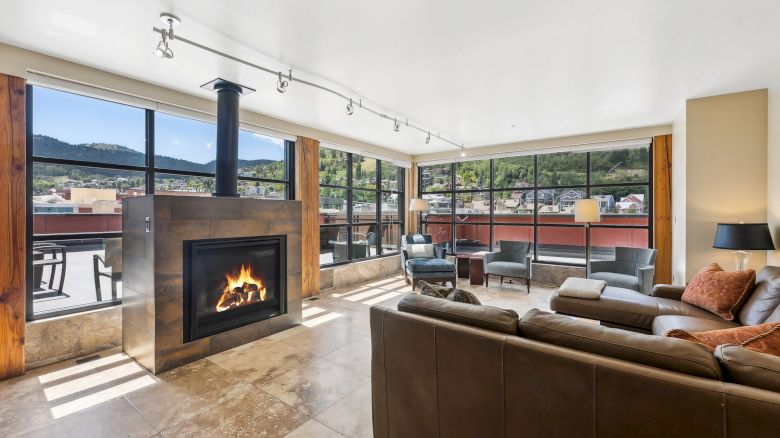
x: 266, y: 255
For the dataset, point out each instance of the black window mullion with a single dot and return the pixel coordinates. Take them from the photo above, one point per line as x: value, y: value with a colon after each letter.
x: 536, y: 208
x: 378, y: 204
x: 149, y: 152
x: 491, y: 202
x: 349, y: 207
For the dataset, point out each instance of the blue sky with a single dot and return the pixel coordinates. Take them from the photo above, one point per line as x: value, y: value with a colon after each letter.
x: 77, y: 119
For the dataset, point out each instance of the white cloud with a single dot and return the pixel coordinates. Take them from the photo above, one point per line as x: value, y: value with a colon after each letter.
x: 175, y: 141
x: 209, y: 145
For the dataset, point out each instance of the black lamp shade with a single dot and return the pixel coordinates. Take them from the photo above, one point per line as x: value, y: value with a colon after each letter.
x: 743, y: 237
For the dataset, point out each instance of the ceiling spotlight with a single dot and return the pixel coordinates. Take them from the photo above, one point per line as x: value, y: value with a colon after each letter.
x: 462, y: 151
x: 281, y: 83
x: 428, y: 138
x: 162, y: 50
x: 350, y: 108
x: 396, y: 125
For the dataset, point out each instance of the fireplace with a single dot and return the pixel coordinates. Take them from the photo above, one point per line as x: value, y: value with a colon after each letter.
x: 232, y: 282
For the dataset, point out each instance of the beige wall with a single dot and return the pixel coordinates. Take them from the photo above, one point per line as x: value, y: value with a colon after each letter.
x: 773, y: 173
x: 678, y: 199
x: 725, y: 172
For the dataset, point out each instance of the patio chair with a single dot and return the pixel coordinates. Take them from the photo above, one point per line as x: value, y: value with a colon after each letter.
x: 112, y: 258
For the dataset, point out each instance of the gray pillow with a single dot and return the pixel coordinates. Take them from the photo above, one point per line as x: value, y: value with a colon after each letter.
x: 463, y: 296
x: 433, y: 290
x: 420, y: 251
x: 657, y: 351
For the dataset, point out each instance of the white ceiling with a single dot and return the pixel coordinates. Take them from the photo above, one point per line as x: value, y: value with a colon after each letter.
x: 479, y: 72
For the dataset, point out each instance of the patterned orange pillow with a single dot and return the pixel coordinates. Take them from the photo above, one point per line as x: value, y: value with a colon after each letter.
x: 718, y: 291
x: 763, y: 338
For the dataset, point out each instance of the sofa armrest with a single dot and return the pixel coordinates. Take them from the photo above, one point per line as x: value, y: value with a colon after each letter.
x: 439, y: 252
x: 667, y: 291
x: 528, y: 263
x: 645, y: 275
x: 491, y: 257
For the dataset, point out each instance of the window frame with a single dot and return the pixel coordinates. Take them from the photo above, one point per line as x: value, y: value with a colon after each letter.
x: 536, y: 188
x: 149, y: 169
x: 350, y: 223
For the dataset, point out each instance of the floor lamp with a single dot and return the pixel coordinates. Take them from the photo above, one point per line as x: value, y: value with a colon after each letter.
x: 587, y: 211
x: 418, y: 205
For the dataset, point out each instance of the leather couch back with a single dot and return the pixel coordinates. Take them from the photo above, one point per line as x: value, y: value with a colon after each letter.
x: 435, y: 378
x: 764, y: 299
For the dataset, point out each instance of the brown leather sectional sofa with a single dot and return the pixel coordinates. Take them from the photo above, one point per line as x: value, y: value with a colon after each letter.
x: 662, y: 310
x: 446, y: 369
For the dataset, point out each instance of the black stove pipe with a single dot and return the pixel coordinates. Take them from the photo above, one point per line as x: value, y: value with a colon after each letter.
x: 228, y: 95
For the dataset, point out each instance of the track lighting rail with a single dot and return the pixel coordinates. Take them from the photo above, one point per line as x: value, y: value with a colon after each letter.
x: 284, y: 80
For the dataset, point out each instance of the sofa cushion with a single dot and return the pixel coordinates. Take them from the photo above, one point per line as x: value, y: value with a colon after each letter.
x: 486, y: 317
x: 626, y: 307
x: 617, y: 280
x: 748, y: 367
x: 433, y: 290
x: 666, y: 323
x: 718, y: 291
x: 661, y: 352
x: 430, y: 265
x: 764, y: 338
x: 764, y: 299
x: 463, y: 296
x: 507, y: 269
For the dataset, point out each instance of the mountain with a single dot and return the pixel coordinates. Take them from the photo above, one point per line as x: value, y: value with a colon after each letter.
x: 45, y: 146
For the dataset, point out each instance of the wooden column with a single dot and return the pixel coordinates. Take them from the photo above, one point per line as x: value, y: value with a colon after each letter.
x: 662, y: 207
x: 307, y: 190
x: 12, y: 225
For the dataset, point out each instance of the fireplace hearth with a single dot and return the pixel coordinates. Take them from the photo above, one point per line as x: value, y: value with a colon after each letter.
x: 232, y: 282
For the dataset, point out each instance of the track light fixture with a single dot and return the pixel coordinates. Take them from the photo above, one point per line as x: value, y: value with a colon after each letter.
x: 162, y: 50
x: 281, y: 83
x: 350, y: 108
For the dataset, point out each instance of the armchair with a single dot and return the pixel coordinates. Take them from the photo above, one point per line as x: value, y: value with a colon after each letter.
x: 513, y: 260
x: 633, y: 268
x: 423, y: 260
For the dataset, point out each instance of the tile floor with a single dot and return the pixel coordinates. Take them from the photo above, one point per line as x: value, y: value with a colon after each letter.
x: 309, y: 381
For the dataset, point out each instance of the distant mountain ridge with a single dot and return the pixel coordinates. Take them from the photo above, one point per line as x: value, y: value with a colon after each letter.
x: 45, y: 146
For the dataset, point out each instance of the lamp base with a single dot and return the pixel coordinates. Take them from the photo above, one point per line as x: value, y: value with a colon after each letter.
x: 741, y: 259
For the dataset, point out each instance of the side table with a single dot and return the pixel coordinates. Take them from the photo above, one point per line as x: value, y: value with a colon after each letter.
x: 463, y: 264
x: 476, y: 271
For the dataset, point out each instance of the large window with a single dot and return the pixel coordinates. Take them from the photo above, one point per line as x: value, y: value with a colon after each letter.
x: 361, y: 207
x: 475, y: 204
x: 87, y: 155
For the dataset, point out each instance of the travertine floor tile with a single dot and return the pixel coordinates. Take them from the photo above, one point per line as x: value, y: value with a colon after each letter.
x: 111, y: 419
x: 351, y: 416
x: 314, y: 429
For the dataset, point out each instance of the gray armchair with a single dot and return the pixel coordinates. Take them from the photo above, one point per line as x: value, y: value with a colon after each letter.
x: 420, y: 264
x: 513, y: 260
x: 633, y: 268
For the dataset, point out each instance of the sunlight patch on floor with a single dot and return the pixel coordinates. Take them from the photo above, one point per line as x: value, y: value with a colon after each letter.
x: 311, y: 311
x: 381, y: 298
x: 363, y: 295
x: 321, y: 319
x: 85, y: 383
x: 78, y: 369
x: 101, y: 396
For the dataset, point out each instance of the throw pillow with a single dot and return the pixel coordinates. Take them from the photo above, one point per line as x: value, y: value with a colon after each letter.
x: 463, y: 296
x: 718, y: 291
x: 433, y: 290
x: 763, y: 338
x: 420, y: 251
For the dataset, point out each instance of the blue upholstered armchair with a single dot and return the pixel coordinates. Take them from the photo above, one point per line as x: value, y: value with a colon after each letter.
x: 513, y: 260
x: 423, y: 260
x: 633, y: 268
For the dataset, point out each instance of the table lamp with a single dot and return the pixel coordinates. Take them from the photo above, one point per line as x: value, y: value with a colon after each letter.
x: 741, y: 238
x: 587, y: 211
x: 418, y: 205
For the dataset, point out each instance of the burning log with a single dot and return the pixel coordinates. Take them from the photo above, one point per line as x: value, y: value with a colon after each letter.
x: 240, y: 290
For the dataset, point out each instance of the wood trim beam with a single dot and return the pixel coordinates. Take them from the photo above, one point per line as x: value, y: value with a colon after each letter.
x: 307, y: 190
x: 12, y: 225
x: 662, y: 207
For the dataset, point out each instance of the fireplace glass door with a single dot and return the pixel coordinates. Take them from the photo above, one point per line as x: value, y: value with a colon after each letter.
x: 232, y: 282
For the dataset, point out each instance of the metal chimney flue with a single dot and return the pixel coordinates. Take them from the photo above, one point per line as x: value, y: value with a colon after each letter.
x: 228, y: 95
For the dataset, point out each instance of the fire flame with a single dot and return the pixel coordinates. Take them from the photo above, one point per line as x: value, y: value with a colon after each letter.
x: 241, y: 289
